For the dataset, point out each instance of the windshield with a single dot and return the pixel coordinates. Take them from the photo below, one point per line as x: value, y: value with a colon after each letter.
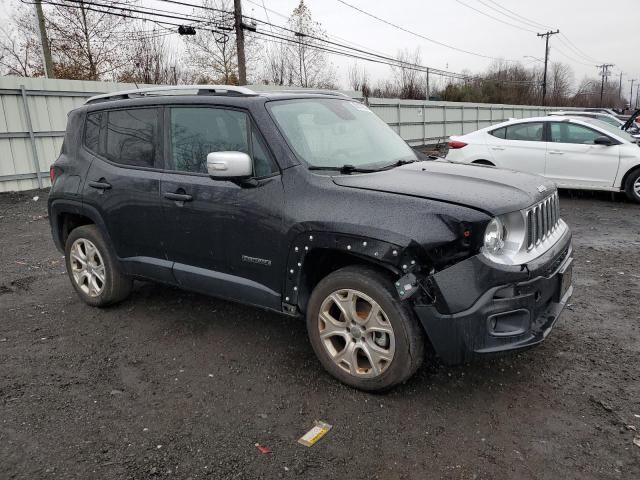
x: 610, y: 120
x: 610, y: 128
x: 332, y: 133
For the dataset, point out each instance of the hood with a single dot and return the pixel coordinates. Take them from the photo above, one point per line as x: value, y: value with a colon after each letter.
x: 488, y: 189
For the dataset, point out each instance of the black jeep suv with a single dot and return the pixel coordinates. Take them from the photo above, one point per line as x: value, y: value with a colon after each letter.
x: 308, y: 204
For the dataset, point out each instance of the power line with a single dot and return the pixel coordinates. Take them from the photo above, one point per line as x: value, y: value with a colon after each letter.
x: 343, y: 50
x: 533, y: 23
x: 573, y: 45
x: 517, y: 17
x: 494, y: 18
x: 406, y: 30
x: 335, y: 44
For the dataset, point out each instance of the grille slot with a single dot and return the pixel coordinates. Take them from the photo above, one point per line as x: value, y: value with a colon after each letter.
x: 542, y: 219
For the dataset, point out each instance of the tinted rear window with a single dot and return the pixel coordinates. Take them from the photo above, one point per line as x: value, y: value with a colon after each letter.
x: 131, y: 136
x: 528, y: 132
x: 128, y: 137
x: 92, y: 131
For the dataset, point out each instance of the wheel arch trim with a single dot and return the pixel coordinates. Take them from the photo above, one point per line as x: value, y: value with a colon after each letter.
x: 395, y: 258
x: 59, y: 207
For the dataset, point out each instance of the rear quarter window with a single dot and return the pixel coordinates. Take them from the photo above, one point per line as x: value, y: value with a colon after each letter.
x: 500, y: 132
x: 92, y: 131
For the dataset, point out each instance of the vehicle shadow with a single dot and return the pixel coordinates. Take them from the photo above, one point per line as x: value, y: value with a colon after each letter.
x: 203, y: 323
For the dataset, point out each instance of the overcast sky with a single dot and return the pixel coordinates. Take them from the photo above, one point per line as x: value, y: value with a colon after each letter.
x: 602, y: 31
x: 605, y: 32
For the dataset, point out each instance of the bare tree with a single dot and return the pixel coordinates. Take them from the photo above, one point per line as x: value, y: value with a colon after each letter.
x: 85, y: 43
x: 560, y: 80
x: 151, y: 60
x: 358, y: 79
x: 309, y: 66
x: 276, y: 65
x: 20, y: 47
x: 409, y: 80
x: 212, y: 52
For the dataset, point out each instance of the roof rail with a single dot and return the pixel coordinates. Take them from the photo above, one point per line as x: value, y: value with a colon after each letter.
x: 314, y: 91
x: 178, y: 89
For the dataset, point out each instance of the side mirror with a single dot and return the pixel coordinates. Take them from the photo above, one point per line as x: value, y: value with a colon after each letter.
x: 603, y: 140
x: 229, y: 165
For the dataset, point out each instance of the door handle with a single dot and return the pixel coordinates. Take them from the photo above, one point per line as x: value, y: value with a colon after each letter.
x: 497, y: 148
x: 101, y: 185
x: 555, y: 152
x: 178, y: 197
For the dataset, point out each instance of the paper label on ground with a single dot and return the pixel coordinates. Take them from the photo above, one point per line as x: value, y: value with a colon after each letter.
x: 315, y: 434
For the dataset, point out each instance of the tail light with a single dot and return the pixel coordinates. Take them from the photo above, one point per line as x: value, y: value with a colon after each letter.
x: 456, y: 144
x: 52, y: 174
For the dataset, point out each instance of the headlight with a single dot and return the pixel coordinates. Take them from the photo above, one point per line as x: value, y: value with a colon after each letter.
x: 494, y: 236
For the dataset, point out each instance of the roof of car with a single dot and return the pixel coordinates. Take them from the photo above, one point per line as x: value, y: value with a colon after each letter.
x: 163, y: 92
x: 571, y: 112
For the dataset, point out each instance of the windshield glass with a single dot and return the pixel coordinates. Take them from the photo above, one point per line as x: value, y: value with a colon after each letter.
x: 610, y: 120
x: 331, y: 133
x: 610, y: 128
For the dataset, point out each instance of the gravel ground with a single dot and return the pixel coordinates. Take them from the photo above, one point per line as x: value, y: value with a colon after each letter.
x: 178, y: 385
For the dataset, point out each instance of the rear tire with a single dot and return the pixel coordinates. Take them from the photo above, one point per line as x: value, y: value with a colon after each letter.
x: 93, y: 269
x: 632, y: 186
x: 361, y: 332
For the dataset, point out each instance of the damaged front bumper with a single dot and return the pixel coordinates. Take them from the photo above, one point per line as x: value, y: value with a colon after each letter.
x: 483, y: 308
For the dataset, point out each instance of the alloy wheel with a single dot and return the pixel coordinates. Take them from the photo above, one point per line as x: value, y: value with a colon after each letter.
x: 356, y: 333
x: 636, y: 187
x: 87, y: 267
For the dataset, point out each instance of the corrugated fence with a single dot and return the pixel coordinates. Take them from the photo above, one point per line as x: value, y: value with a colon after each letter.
x: 33, y: 116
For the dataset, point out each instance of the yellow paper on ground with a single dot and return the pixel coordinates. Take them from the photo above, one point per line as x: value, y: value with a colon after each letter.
x: 318, y: 431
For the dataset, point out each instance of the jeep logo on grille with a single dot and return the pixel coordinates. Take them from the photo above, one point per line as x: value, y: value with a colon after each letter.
x: 542, y: 188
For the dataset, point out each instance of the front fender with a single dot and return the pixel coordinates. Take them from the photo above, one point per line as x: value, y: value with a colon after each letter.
x: 396, y: 257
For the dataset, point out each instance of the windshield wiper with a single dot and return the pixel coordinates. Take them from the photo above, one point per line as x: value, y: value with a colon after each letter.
x: 346, y: 169
x: 398, y: 163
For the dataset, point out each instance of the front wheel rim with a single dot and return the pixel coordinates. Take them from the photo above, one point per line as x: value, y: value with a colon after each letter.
x: 87, y: 267
x: 356, y: 333
x: 636, y: 187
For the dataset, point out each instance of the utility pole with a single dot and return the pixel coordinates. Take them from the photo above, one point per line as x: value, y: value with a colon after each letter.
x: 620, y: 88
x: 44, y: 41
x: 546, y: 61
x: 428, y: 93
x: 604, y: 71
x: 242, y: 66
x: 631, y: 81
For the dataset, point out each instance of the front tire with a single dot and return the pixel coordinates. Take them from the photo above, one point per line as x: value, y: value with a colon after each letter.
x: 362, y: 334
x: 93, y: 269
x: 632, y: 186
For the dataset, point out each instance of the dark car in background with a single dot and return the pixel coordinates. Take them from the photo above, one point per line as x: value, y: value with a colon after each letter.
x: 307, y: 204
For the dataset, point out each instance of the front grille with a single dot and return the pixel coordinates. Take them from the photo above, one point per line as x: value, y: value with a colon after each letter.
x: 542, y: 220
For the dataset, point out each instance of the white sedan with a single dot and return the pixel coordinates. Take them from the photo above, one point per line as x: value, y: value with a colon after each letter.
x: 575, y: 153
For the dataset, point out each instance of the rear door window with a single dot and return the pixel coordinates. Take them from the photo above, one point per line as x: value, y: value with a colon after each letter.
x: 132, y: 137
x: 530, y: 132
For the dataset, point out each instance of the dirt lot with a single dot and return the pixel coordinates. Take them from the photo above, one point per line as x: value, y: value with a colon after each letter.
x: 172, y: 384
